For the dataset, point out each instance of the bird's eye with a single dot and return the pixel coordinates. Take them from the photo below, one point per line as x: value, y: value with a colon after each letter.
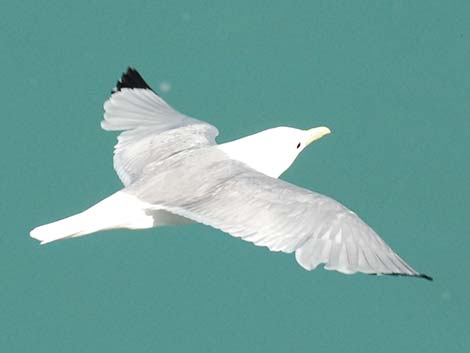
x: 298, y: 145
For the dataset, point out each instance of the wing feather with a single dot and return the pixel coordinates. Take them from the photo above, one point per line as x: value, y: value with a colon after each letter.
x: 151, y: 127
x: 236, y: 199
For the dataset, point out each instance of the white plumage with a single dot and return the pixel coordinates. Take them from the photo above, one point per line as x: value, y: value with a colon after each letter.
x: 174, y: 172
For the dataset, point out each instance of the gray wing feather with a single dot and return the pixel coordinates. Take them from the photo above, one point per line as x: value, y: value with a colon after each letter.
x: 152, y: 130
x: 273, y: 213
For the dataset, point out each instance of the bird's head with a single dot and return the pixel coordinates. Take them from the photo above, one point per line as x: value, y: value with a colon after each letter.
x: 273, y: 151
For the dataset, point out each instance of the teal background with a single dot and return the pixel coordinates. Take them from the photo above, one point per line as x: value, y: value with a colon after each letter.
x: 391, y: 78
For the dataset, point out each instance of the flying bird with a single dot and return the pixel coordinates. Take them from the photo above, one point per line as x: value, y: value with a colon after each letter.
x: 174, y: 172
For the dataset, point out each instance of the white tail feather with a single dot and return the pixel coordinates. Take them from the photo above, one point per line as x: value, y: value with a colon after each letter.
x: 120, y: 210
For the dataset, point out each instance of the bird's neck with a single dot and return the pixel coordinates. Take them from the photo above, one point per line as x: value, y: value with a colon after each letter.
x: 247, y: 151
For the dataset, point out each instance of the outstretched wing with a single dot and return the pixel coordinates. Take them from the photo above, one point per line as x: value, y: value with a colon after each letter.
x: 152, y: 129
x: 228, y: 195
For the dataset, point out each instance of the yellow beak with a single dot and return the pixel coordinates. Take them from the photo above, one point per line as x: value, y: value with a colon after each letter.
x: 317, y: 133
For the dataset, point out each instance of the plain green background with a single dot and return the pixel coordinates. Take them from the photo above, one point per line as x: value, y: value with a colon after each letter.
x: 391, y: 78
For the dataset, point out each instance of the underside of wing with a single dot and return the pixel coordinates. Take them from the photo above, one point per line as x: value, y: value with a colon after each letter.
x: 273, y: 213
x: 149, y: 127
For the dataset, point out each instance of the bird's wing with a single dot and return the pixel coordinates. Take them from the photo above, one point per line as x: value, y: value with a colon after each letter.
x: 150, y: 127
x: 228, y: 195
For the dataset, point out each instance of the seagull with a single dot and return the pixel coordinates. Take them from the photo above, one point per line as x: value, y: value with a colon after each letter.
x: 174, y: 173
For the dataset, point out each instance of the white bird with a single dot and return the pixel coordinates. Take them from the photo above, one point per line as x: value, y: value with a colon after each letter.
x: 174, y: 172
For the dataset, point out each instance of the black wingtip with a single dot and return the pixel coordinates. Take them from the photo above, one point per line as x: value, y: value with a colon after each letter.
x: 131, y: 79
x: 429, y: 278
x: 419, y: 275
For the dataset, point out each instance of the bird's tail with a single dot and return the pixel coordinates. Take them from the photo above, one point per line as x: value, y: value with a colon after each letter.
x: 120, y: 210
